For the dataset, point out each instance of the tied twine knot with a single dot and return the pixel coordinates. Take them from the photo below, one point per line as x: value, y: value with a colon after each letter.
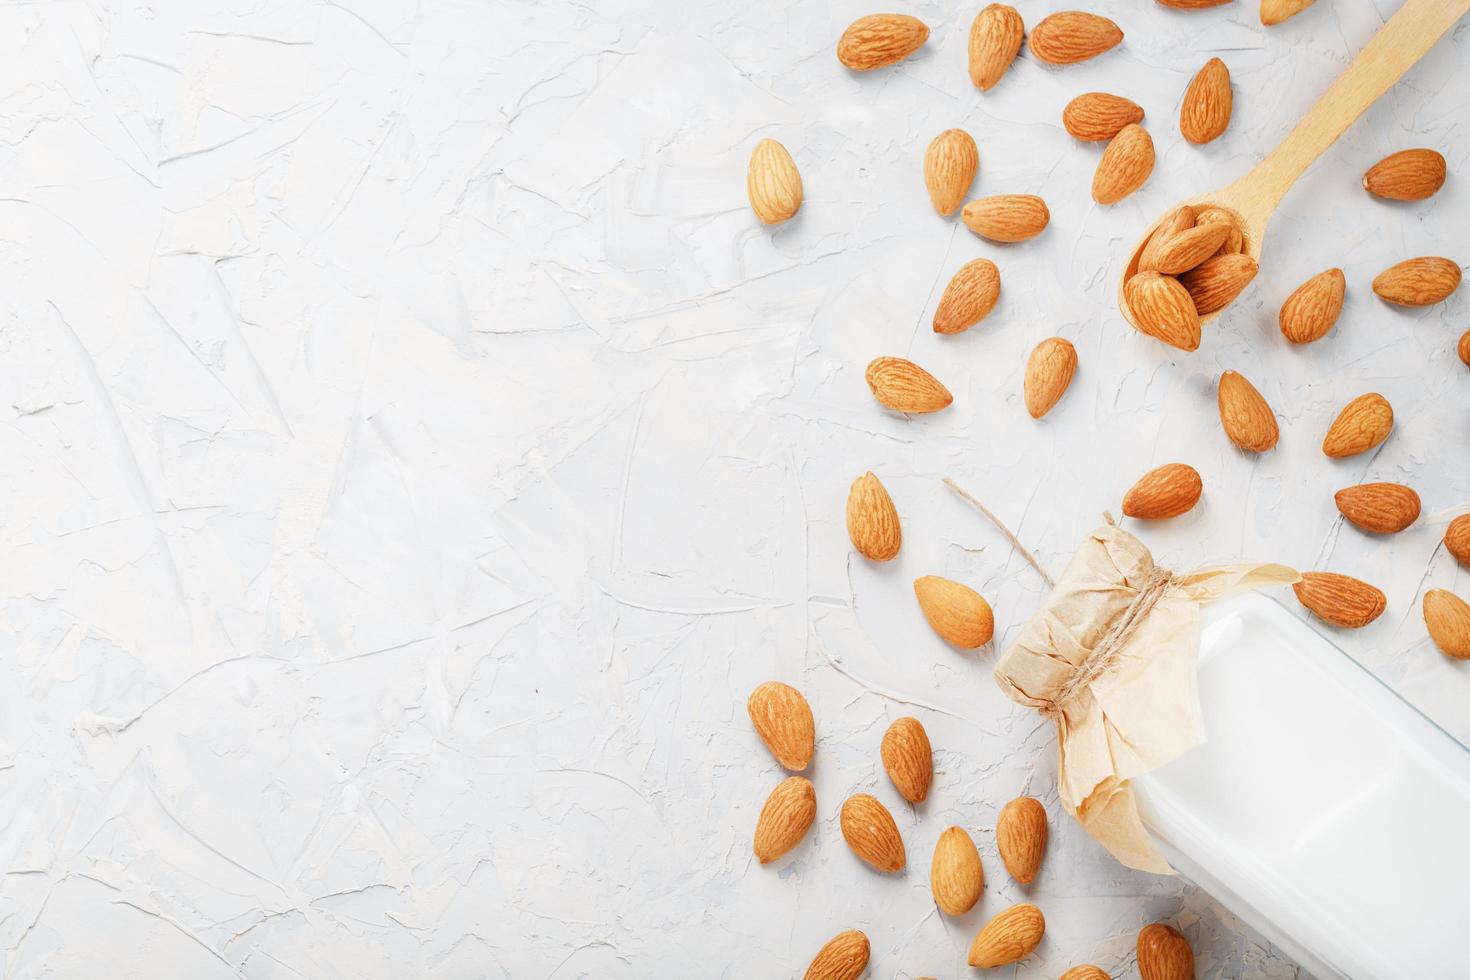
x: 1105, y: 654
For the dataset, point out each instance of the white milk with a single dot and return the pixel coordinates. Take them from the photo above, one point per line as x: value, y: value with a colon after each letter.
x: 1323, y: 810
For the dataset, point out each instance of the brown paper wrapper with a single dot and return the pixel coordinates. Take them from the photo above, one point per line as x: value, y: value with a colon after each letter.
x: 1111, y: 657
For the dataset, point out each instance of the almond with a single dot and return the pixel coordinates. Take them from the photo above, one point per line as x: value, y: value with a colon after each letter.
x: 1020, y: 836
x: 1095, y: 116
x: 880, y: 40
x: 1418, y: 282
x: 1163, y: 492
x: 1007, y: 217
x: 1214, y: 283
x: 1207, y: 103
x: 1164, y: 954
x: 783, y: 720
x: 872, y: 520
x: 870, y: 831
x: 1124, y: 165
x: 1216, y: 215
x: 905, y: 387
x: 1085, y: 972
x: 1009, y: 937
x: 1192, y: 4
x: 955, y: 875
x: 787, y: 816
x: 1178, y: 220
x: 1340, y: 599
x: 968, y: 298
x: 995, y: 39
x: 949, y: 168
x: 1244, y: 415
x: 1463, y: 349
x: 1362, y: 424
x: 772, y: 183
x: 908, y: 758
x: 1382, y: 508
x: 1312, y: 310
x: 1448, y: 618
x: 1457, y: 538
x: 1275, y: 11
x: 1072, y: 36
x: 958, y: 613
x: 1163, y: 309
x: 1049, y: 371
x: 845, y: 957
x: 1408, y: 175
x: 1187, y: 249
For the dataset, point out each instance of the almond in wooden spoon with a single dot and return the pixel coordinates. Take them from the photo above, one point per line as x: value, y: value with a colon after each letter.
x: 1362, y: 424
x: 1179, y: 220
x: 905, y: 387
x: 1049, y: 372
x: 1408, y: 175
x: 879, y: 40
x: 1020, y: 836
x: 1312, y: 310
x: 1244, y: 415
x: 949, y: 168
x: 844, y: 957
x: 1381, y: 508
x: 908, y: 758
x: 1162, y: 308
x: 1164, y: 492
x: 969, y: 297
x: 1418, y: 282
x: 956, y: 612
x: 1072, y: 36
x: 1207, y: 103
x: 1213, y: 284
x: 1340, y: 599
x: 1184, y: 250
x: 1094, y: 116
x: 995, y: 39
x: 869, y: 830
x: 1124, y: 165
x: 787, y: 816
x: 1447, y: 617
x: 1009, y: 937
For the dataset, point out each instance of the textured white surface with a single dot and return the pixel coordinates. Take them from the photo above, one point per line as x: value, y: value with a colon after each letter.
x: 414, y: 452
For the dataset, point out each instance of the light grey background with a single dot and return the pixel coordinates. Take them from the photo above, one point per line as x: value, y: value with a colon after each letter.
x: 414, y: 452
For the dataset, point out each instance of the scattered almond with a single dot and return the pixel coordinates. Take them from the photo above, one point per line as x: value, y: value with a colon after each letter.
x: 1007, y: 217
x: 958, y: 613
x: 949, y: 168
x: 1447, y: 617
x: 880, y: 40
x: 1457, y: 538
x: 787, y: 816
x: 1095, y: 116
x: 870, y: 831
x: 905, y: 387
x: 1192, y: 4
x: 1362, y: 424
x: 1408, y: 175
x: 1020, y: 836
x: 1009, y: 937
x: 1180, y: 219
x: 1312, y: 310
x: 783, y: 720
x: 772, y: 183
x: 1382, y: 508
x: 1124, y: 165
x: 1275, y: 11
x: 872, y: 520
x: 1463, y: 348
x: 1163, y: 309
x: 908, y: 758
x: 1049, y: 371
x: 1244, y: 415
x: 845, y: 957
x: 1164, y: 492
x: 995, y: 39
x: 1418, y: 282
x: 1340, y: 599
x: 955, y: 875
x: 1164, y: 954
x: 1214, y: 283
x: 968, y: 298
x: 1071, y: 36
x: 1085, y: 972
x: 1207, y: 103
x: 1187, y: 249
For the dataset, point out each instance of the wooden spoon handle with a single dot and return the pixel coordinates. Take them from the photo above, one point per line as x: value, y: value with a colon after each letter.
x: 1393, y: 50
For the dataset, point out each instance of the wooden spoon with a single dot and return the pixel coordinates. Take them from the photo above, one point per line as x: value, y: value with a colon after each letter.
x: 1253, y: 198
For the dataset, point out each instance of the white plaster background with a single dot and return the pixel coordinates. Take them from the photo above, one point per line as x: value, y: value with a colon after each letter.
x: 414, y: 452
